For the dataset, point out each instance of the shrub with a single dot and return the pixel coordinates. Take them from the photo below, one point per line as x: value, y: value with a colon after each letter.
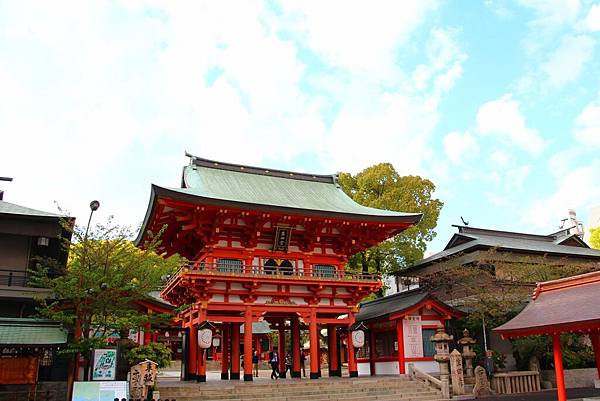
x: 156, y: 352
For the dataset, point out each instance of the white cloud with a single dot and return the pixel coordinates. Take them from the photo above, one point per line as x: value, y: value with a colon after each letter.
x: 587, y: 125
x: 500, y: 158
x: 551, y: 16
x: 499, y: 8
x: 592, y: 21
x: 444, y: 62
x: 125, y: 88
x: 576, y: 190
x: 355, y: 35
x: 502, y: 118
x: 460, y: 146
x: 565, y: 64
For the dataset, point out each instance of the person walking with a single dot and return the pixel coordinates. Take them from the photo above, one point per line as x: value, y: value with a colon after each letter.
x: 274, y: 361
x: 288, y: 363
x: 302, y: 362
x: 255, y: 363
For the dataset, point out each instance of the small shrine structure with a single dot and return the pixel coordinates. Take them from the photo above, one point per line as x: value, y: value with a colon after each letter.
x: 568, y: 305
x: 400, y: 327
x: 265, y: 245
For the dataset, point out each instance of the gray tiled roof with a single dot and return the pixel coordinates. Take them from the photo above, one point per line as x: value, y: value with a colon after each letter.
x: 470, y: 239
x: 258, y: 328
x: 11, y: 208
x: 390, y: 304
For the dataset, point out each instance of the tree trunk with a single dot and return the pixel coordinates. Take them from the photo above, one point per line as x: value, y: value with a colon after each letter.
x: 364, y: 262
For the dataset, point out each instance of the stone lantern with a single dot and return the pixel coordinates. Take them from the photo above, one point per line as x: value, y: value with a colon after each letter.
x: 467, y: 345
x: 442, y: 356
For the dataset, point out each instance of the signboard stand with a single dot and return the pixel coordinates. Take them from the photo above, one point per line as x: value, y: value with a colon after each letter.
x: 104, y: 364
x: 413, y: 336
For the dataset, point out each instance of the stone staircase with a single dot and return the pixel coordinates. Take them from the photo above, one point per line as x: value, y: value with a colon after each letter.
x: 343, y: 389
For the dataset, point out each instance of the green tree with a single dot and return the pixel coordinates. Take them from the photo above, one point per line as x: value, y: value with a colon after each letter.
x: 106, y: 274
x: 380, y: 186
x: 156, y: 352
x: 595, y: 238
x: 499, y: 285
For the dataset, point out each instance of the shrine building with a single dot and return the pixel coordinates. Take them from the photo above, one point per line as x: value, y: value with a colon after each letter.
x: 265, y: 246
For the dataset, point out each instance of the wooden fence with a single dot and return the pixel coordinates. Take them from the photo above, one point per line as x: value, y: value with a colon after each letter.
x: 516, y: 382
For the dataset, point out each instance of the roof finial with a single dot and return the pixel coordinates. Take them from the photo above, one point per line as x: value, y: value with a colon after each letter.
x: 466, y: 223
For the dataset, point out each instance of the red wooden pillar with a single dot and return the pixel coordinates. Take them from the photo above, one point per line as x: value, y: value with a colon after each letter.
x: 235, y: 351
x: 248, y: 345
x: 193, y: 352
x: 400, y: 339
x: 147, y: 334
x: 314, y: 345
x: 352, y: 367
x: 225, y: 351
x: 595, y: 338
x: 558, y: 368
x: 332, y: 345
x: 281, y: 346
x: 295, y: 348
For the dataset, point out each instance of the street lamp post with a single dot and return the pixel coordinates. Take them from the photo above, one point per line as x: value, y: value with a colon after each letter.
x: 94, y: 205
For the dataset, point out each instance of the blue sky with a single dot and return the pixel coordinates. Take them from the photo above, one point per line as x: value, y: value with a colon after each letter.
x: 498, y: 103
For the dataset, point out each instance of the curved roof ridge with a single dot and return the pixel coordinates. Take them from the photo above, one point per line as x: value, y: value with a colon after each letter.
x: 202, y: 162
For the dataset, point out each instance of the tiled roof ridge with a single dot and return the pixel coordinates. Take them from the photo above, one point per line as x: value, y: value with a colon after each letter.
x: 201, y: 162
x: 466, y: 230
x: 401, y: 294
x: 24, y: 210
x: 567, y: 282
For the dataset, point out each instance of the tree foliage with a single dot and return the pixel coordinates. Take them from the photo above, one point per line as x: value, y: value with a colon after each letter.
x: 380, y: 186
x: 595, y: 238
x: 106, y: 274
x: 156, y: 352
x: 500, y: 284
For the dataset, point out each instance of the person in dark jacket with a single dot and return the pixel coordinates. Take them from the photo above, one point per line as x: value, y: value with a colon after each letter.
x: 255, y: 363
x: 274, y: 361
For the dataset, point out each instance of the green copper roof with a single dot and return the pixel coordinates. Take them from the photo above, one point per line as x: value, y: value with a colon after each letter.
x: 14, y: 331
x: 251, y: 185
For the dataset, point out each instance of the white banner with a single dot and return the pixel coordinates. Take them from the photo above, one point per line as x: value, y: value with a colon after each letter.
x: 413, y: 337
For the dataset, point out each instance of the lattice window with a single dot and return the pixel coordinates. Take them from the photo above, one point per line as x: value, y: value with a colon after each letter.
x: 386, y: 343
x: 324, y: 270
x: 230, y: 265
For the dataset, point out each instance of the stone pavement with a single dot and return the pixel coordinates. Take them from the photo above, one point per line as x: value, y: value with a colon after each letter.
x: 573, y: 394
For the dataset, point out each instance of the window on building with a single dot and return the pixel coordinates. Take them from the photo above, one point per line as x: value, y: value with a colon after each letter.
x: 324, y: 270
x: 230, y: 265
x: 270, y: 267
x: 386, y: 344
x: 428, y: 346
x: 286, y: 268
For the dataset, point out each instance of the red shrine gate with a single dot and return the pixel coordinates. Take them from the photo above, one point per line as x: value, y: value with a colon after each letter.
x: 266, y: 245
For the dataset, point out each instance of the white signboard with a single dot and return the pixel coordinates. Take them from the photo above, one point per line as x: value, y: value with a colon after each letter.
x: 413, y: 337
x: 105, y: 364
x: 99, y: 391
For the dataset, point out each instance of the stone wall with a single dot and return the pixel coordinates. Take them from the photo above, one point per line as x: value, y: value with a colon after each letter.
x: 47, y: 391
x: 573, y: 377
